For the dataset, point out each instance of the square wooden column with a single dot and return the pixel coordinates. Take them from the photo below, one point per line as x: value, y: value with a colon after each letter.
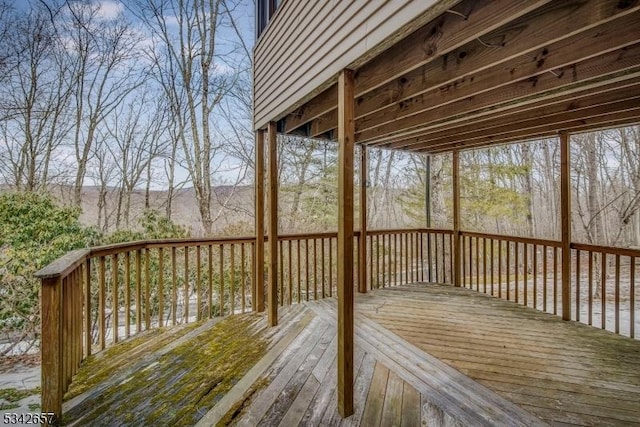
x: 362, y: 250
x: 258, y: 291
x: 272, y: 292
x: 346, y: 135
x: 456, y: 220
x: 565, y: 224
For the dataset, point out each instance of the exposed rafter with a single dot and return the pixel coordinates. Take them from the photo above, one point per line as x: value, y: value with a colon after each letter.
x: 467, y: 76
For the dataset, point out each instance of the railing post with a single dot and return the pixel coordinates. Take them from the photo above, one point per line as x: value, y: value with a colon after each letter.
x: 362, y: 263
x: 258, y: 296
x: 456, y: 219
x: 272, y: 293
x: 51, y: 345
x: 565, y: 220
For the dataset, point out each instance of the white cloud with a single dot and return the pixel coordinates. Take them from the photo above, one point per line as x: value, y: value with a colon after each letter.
x: 110, y: 9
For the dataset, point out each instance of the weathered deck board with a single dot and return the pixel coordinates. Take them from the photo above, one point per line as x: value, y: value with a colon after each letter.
x: 425, y: 355
x: 563, y: 372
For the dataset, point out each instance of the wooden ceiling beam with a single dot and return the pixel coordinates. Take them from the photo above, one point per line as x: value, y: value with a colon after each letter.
x: 531, y: 35
x: 324, y: 102
x: 615, y: 119
x: 574, y: 102
x: 541, y: 124
x: 550, y: 58
x: 470, y: 20
x: 614, y: 66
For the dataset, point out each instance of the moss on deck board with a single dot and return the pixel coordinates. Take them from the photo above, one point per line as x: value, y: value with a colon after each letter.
x: 178, y: 387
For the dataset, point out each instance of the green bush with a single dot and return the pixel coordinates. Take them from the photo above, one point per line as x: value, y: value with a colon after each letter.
x: 34, y: 231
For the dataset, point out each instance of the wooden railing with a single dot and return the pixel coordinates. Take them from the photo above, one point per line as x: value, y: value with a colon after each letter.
x: 528, y: 272
x: 603, y: 289
x: 94, y: 297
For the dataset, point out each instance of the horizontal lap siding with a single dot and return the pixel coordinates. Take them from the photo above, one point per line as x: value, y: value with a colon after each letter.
x: 309, y: 42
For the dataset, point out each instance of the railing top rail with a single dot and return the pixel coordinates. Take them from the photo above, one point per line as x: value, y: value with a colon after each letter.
x: 606, y: 249
x: 527, y: 240
x: 63, y: 265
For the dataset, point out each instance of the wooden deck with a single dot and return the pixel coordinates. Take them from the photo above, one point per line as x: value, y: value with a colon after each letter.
x: 425, y: 355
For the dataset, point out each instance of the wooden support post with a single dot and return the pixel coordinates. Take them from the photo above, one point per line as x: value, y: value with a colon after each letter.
x: 52, y: 360
x: 362, y: 252
x: 456, y: 219
x: 565, y: 224
x: 273, y: 225
x: 258, y: 296
x: 427, y: 192
x: 346, y: 136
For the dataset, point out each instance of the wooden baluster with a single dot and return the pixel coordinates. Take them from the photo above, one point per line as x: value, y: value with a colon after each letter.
x: 421, y: 256
x: 617, y: 295
x: 186, y: 285
x: 544, y: 274
x: 87, y: 308
x: 444, y: 261
x: 330, y: 269
x: 590, y: 287
x: 147, y: 290
x: 174, y: 286
x: 499, y: 268
x: 406, y: 258
x: 429, y: 256
x: 289, y: 262
x: 491, y: 244
x: 243, y: 275
x: 198, y: 284
x: 210, y: 284
x: 315, y: 270
x: 395, y: 259
x: 323, y: 268
x: 281, y: 273
x: 477, y: 262
x: 517, y: 265
x: 632, y: 297
x: 114, y: 296
x: 436, y: 259
x: 384, y: 261
x: 603, y: 290
x: 379, y: 261
x: 299, y: 271
x: 371, y: 276
x: 508, y: 270
x: 463, y: 259
x: 451, y: 258
x: 555, y: 280
x: 101, y: 302
x: 413, y: 257
x: 577, y: 285
x: 221, y: 252
x: 233, y: 276
x: 160, y: 287
x: 535, y: 276
x: 526, y: 275
x: 484, y: 265
x: 306, y: 267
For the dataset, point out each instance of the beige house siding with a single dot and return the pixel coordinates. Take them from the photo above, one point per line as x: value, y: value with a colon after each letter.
x: 308, y: 42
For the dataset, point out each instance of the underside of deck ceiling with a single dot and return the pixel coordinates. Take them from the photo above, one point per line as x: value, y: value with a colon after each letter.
x: 492, y: 71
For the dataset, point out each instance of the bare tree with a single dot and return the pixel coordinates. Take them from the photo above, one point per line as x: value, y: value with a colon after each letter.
x: 187, y: 65
x: 104, y: 53
x: 36, y: 97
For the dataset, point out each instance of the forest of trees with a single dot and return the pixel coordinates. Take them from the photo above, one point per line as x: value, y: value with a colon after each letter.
x: 126, y: 120
x: 118, y: 107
